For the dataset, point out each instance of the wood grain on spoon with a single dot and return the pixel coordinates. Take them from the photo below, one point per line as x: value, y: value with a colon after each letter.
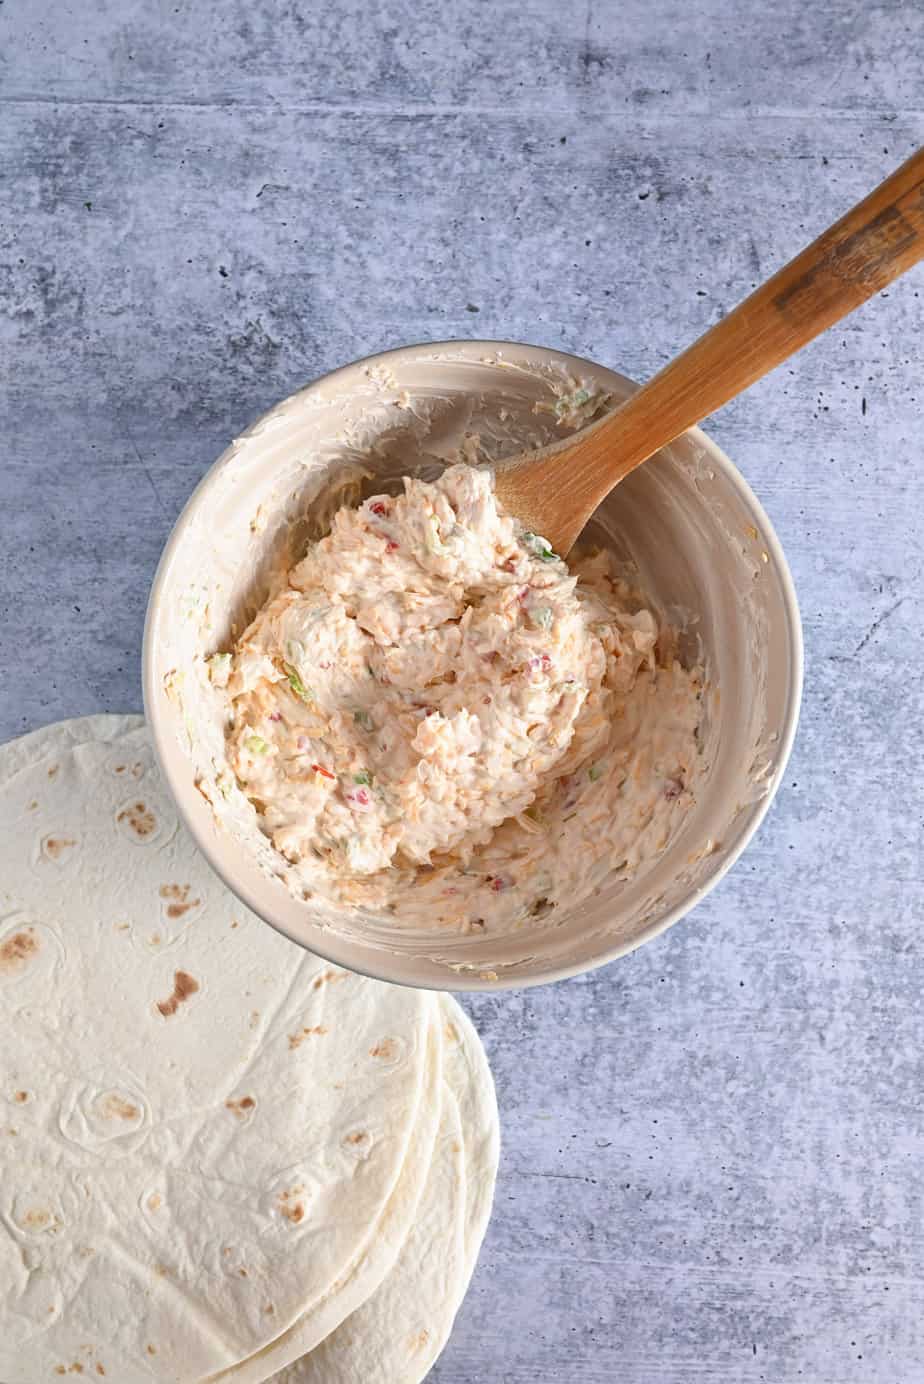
x: 555, y: 490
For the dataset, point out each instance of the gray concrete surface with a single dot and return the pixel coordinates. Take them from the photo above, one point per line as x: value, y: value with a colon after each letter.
x: 714, y: 1150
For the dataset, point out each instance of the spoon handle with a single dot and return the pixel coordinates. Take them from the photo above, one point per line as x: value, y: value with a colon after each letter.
x: 859, y: 255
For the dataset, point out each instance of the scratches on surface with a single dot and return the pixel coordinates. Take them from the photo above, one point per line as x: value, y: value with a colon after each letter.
x: 591, y: 56
x: 873, y: 630
x: 754, y: 258
x: 147, y: 471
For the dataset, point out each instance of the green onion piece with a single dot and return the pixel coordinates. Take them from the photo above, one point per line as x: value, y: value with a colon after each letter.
x: 364, y: 778
x: 362, y: 718
x: 256, y: 744
x: 296, y: 684
x: 594, y: 772
x: 539, y: 547
x: 565, y: 405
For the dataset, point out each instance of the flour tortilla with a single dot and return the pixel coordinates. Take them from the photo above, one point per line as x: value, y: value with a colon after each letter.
x: 379, y: 1256
x: 396, y: 1336
x: 466, y: 1072
x: 200, y: 1124
x: 26, y: 751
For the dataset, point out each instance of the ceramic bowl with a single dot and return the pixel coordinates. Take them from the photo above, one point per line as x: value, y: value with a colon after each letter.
x: 705, y: 551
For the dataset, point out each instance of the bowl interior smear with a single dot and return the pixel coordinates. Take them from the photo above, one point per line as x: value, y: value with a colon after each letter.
x: 700, y: 599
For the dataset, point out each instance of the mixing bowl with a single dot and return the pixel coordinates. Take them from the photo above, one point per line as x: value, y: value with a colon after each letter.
x: 705, y: 552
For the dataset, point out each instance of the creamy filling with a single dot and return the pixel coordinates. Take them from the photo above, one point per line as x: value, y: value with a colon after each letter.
x: 438, y: 720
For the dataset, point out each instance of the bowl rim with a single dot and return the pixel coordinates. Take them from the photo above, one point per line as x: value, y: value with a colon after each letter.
x: 330, y: 946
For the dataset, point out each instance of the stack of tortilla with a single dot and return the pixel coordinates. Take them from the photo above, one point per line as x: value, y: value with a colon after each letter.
x: 220, y: 1157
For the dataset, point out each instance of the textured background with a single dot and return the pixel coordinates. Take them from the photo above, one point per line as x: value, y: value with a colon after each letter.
x: 714, y: 1156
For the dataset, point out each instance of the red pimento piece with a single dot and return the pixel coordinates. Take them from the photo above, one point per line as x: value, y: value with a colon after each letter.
x: 497, y: 884
x: 359, y: 796
x: 379, y: 508
x: 275, y: 715
x: 391, y: 546
x: 325, y: 773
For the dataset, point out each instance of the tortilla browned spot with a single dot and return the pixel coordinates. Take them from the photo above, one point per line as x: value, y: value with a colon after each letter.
x: 329, y: 978
x: 55, y: 846
x: 139, y: 819
x: 35, y: 1219
x: 136, y: 770
x: 118, y: 1108
x: 296, y: 1039
x: 241, y: 1108
x: 183, y: 986
x: 182, y: 903
x: 16, y: 950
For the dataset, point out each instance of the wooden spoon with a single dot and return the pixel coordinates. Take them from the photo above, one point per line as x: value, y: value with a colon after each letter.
x: 555, y: 490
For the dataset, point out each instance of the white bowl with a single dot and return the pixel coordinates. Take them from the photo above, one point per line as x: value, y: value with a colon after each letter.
x: 702, y: 543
